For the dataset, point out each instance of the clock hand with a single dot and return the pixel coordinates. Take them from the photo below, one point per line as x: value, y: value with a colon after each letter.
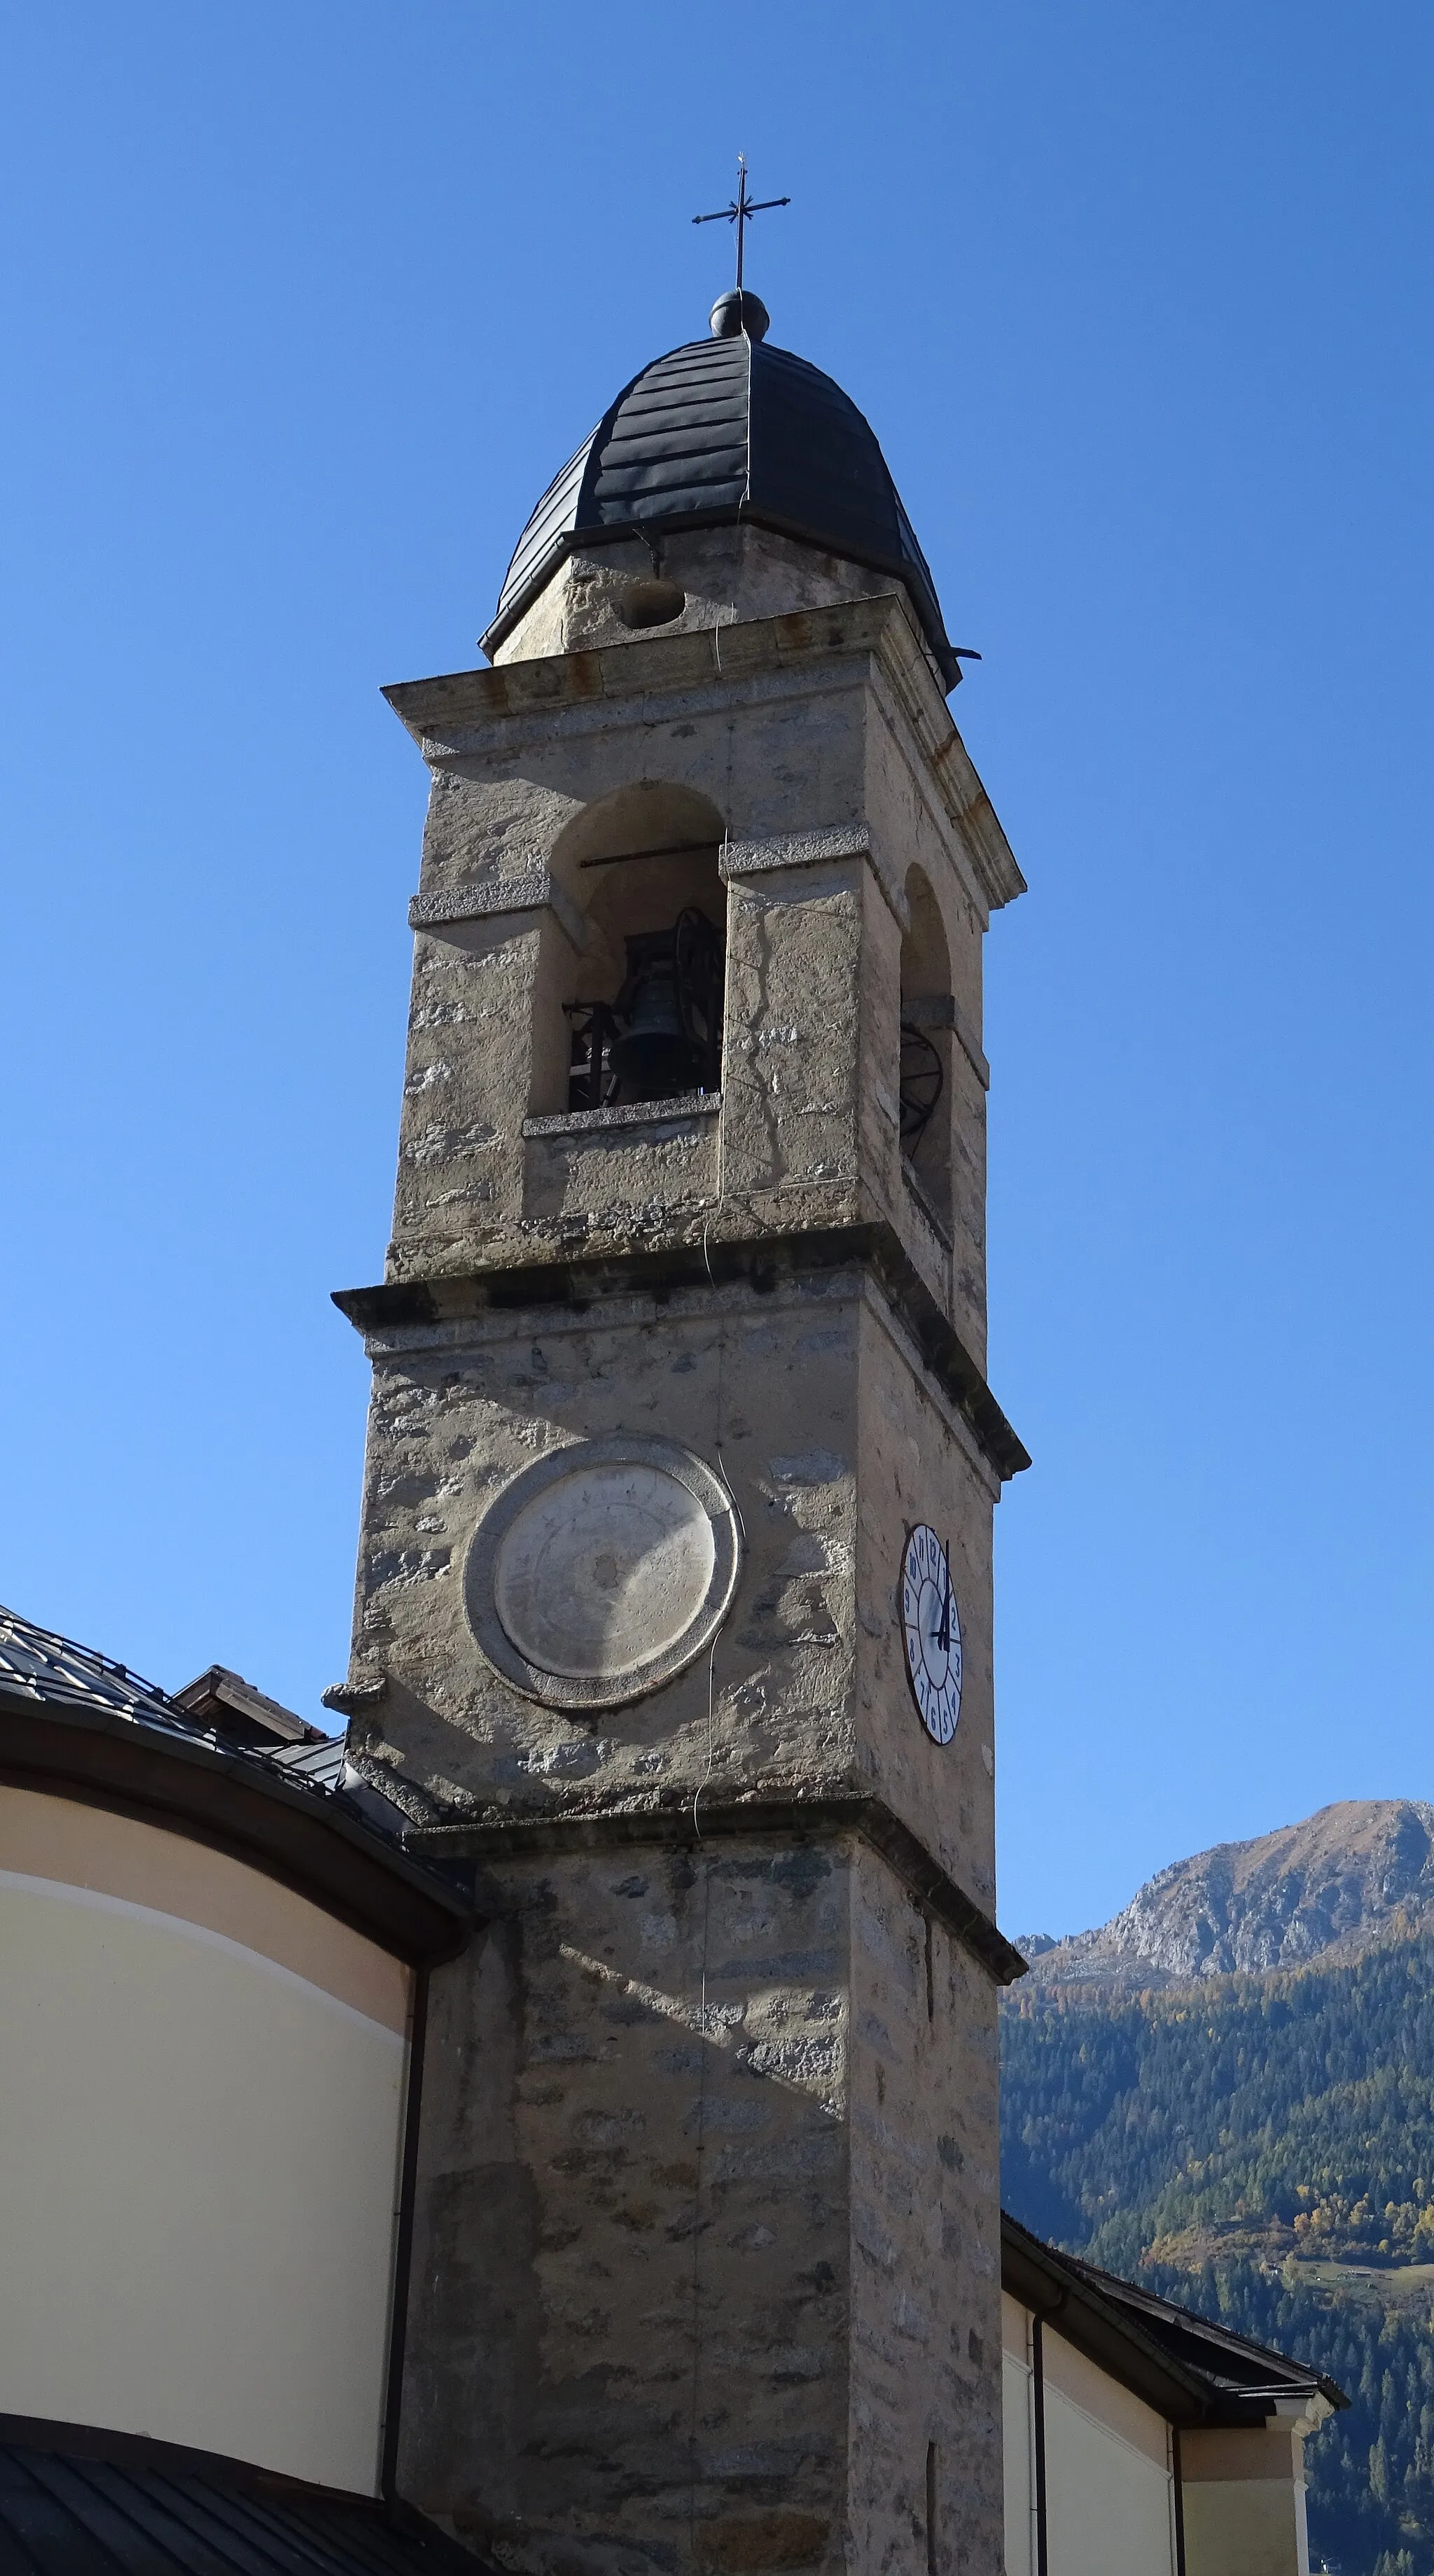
x: 943, y: 1633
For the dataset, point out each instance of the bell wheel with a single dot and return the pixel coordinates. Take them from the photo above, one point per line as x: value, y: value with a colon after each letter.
x: 920, y: 1085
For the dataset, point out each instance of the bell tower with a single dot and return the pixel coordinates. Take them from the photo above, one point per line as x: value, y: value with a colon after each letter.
x: 673, y: 1609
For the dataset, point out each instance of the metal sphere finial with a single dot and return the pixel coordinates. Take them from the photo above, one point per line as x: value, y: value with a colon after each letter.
x: 738, y: 311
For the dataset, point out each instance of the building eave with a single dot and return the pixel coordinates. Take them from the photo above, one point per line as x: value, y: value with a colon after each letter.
x: 1066, y: 2296
x: 303, y: 1837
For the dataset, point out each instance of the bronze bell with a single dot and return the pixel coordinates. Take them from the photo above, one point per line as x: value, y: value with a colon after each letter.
x: 655, y: 1057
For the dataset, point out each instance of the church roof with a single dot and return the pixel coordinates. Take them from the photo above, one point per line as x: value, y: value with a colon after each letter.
x: 721, y: 430
x: 1192, y: 2372
x: 39, y: 1664
x: 74, y: 1720
x: 72, y: 2501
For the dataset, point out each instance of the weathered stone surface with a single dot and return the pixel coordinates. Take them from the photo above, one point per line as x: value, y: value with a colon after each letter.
x: 832, y: 1440
x: 726, y: 575
x: 807, y: 748
x: 706, y: 2252
x: 926, y: 2272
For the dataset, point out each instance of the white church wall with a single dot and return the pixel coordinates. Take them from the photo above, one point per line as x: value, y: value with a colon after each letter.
x: 1109, y: 2487
x: 199, y: 2143
x: 1016, y: 2435
x: 1108, y: 2472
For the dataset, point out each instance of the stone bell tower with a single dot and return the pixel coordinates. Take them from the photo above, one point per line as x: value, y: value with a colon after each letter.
x: 674, y: 1594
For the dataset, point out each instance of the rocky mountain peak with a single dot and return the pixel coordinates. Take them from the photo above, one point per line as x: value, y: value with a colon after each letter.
x: 1333, y: 1884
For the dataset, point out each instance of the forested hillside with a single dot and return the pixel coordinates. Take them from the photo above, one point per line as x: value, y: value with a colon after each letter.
x: 1261, y: 2147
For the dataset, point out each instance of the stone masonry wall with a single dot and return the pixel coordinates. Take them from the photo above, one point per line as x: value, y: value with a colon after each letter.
x: 705, y: 2266
x: 724, y: 574
x: 926, y: 2270
x: 805, y: 746
x: 919, y: 1463
x: 700, y: 2260
x: 833, y: 1442
x: 764, y: 1388
x: 627, y: 2327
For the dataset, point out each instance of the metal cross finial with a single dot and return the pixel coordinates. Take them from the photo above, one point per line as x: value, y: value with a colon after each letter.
x: 740, y: 213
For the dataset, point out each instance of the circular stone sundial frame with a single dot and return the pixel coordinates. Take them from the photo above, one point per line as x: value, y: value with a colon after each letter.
x: 682, y: 1618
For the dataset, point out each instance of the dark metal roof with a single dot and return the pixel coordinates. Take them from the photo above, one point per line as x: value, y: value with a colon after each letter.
x: 49, y: 1668
x: 719, y: 430
x: 1192, y: 2372
x: 326, y: 1764
x: 1237, y: 2371
x: 77, y: 1723
x: 160, y: 2511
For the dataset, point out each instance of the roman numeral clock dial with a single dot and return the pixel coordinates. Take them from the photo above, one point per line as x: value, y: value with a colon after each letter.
x: 931, y: 1629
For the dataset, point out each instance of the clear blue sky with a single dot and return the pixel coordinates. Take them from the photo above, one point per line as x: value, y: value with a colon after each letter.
x: 302, y: 305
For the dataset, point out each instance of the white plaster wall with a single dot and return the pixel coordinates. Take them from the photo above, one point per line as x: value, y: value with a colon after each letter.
x: 198, y: 2154
x: 1020, y: 2485
x: 1108, y: 2504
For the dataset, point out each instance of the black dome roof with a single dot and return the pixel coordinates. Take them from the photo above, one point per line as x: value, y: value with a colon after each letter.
x: 721, y: 430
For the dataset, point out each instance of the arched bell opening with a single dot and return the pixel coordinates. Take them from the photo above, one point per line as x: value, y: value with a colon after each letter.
x: 924, y: 1083
x: 644, y: 1012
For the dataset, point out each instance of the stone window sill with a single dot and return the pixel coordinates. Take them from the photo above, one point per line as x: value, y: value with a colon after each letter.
x: 636, y: 1113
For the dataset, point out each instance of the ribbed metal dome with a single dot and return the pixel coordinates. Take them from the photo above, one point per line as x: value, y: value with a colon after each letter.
x: 722, y: 430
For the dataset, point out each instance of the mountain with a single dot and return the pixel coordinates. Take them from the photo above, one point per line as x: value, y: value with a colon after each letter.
x: 1346, y: 1877
x: 1228, y: 2091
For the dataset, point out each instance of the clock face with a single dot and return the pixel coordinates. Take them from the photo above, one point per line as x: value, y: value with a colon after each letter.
x: 931, y: 1627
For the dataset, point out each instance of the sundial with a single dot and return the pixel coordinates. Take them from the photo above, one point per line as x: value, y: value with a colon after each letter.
x: 602, y: 1570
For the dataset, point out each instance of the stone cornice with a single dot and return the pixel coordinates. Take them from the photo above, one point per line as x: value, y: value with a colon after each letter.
x: 458, y: 714
x: 496, y: 1839
x: 529, y: 889
x: 980, y: 845
x: 874, y: 1248
x: 442, y: 713
x: 739, y: 859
